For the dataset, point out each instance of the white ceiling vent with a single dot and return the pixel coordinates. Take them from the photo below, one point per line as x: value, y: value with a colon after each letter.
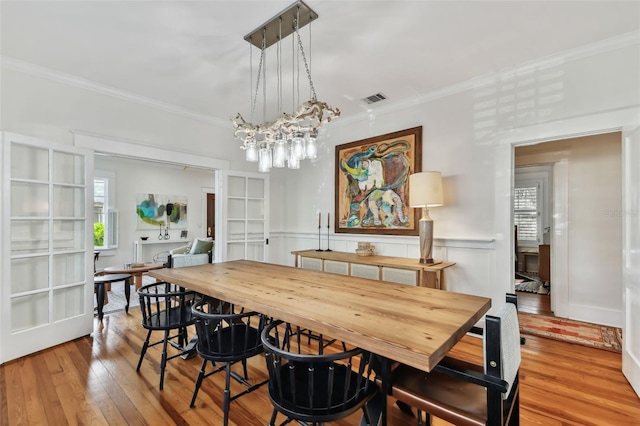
x: 375, y: 98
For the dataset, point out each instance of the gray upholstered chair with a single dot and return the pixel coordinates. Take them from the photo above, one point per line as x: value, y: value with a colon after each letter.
x: 199, y: 252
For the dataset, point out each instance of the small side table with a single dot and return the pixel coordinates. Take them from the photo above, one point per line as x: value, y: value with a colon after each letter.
x: 99, y: 284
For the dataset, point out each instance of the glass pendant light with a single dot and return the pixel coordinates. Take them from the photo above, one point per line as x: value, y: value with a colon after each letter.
x: 251, y: 151
x: 264, y: 158
x: 294, y: 162
x: 279, y: 151
x: 298, y: 146
x: 311, y: 145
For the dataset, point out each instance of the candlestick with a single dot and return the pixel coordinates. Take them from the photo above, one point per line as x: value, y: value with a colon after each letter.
x: 319, y: 228
x: 328, y: 227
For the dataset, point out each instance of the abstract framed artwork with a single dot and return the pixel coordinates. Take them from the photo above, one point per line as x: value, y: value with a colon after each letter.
x: 155, y: 210
x: 372, y: 178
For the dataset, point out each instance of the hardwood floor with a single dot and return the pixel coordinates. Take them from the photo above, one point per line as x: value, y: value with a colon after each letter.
x: 533, y: 303
x: 92, y: 380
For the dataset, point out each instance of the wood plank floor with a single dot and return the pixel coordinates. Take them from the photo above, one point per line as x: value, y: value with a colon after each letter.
x: 92, y: 380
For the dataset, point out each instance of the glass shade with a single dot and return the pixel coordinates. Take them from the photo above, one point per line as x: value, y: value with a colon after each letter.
x: 311, y: 146
x: 279, y: 152
x: 251, y: 152
x: 264, y: 158
x: 294, y: 162
x: 298, y: 146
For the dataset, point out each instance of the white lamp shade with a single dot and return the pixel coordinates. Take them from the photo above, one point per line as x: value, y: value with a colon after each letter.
x: 425, y: 189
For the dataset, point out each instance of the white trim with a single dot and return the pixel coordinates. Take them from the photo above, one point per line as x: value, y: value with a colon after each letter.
x: 132, y: 149
x: 613, y: 43
x: 474, y: 243
x: 75, y: 81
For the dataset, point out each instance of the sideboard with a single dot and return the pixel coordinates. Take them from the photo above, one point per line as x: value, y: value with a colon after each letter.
x: 386, y: 268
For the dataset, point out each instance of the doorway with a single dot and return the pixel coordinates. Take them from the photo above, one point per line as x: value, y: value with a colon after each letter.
x: 532, y: 213
x: 585, y: 233
x: 211, y: 216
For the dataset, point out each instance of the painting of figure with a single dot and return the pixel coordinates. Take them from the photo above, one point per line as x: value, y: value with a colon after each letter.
x: 371, y: 183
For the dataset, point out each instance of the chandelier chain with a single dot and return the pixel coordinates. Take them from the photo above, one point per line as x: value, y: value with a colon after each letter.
x: 255, y: 96
x: 306, y: 65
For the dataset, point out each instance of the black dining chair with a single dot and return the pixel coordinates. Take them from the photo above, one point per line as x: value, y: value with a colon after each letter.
x: 165, y: 307
x: 468, y: 394
x: 228, y: 335
x: 315, y: 383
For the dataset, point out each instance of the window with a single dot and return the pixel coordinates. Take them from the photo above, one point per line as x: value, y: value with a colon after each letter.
x: 527, y: 212
x: 105, y: 218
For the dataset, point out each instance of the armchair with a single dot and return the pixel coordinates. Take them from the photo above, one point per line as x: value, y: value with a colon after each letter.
x: 199, y: 252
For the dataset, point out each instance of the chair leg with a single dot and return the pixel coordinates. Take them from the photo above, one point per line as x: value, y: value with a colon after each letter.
x: 198, y: 383
x: 272, y: 422
x: 244, y: 369
x: 145, y: 345
x: 163, y: 360
x: 227, y: 394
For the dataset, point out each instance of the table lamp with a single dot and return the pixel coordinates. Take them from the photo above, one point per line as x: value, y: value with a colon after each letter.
x: 425, y: 190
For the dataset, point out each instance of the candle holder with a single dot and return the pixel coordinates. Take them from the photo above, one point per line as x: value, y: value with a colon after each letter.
x: 328, y: 249
x: 319, y: 248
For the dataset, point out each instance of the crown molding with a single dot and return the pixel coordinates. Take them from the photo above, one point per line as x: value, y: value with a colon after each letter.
x: 592, y: 49
x: 72, y: 80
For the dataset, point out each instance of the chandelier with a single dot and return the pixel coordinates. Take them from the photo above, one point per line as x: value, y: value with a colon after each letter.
x: 292, y: 137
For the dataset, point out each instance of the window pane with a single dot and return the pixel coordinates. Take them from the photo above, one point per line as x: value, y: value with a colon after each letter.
x: 526, y: 198
x: 68, y: 201
x: 68, y: 302
x: 28, y: 162
x: 29, y: 236
x: 68, y: 168
x: 527, y: 223
x: 29, y: 199
x: 29, y: 311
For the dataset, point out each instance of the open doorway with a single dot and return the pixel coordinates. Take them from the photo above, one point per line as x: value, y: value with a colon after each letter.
x: 532, y: 211
x: 211, y: 215
x: 585, y: 228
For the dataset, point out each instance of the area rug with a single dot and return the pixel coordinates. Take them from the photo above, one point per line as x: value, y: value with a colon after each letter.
x: 566, y: 330
x: 531, y: 287
x: 117, y: 300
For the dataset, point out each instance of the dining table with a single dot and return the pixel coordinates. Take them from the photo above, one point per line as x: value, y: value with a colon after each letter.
x: 413, y: 325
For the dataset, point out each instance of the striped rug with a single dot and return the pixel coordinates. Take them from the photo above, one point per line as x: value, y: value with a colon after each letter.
x: 566, y: 330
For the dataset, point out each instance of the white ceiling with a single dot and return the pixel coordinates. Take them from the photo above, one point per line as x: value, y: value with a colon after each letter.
x: 192, y: 55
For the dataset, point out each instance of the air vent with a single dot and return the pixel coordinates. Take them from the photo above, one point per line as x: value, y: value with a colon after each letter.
x: 375, y: 98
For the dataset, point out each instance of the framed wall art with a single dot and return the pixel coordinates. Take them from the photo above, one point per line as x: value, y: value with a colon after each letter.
x: 156, y: 210
x: 372, y: 178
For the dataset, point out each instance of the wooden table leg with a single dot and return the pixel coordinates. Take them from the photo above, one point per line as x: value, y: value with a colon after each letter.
x: 137, y: 279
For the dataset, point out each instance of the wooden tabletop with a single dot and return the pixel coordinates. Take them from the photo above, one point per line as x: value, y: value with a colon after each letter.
x: 386, y: 261
x: 122, y: 269
x: 413, y: 325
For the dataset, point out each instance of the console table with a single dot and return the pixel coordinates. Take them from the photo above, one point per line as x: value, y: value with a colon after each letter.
x: 384, y: 268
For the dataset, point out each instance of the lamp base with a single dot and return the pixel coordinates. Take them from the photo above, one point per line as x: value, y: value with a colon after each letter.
x: 427, y: 261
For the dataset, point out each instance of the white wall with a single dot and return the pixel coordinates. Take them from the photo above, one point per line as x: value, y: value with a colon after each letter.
x: 138, y: 177
x: 468, y: 133
x: 468, y: 136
